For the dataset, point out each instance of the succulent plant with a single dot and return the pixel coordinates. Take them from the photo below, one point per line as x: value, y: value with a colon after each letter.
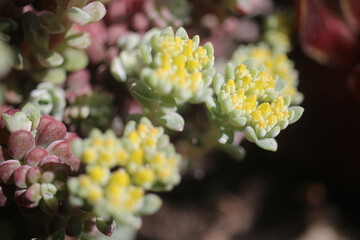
x: 248, y: 99
x: 171, y: 69
x: 36, y: 159
x: 50, y: 45
x: 119, y: 172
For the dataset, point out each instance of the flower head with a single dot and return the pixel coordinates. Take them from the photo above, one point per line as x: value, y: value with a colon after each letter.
x: 118, y: 172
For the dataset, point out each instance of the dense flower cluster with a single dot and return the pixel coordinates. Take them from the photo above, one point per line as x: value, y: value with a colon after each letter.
x: 118, y: 172
x: 277, y: 64
x: 249, y: 99
x: 178, y: 66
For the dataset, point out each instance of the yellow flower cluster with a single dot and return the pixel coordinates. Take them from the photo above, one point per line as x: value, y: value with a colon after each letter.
x: 276, y: 64
x: 249, y: 99
x: 119, y: 171
x: 267, y: 115
x: 180, y: 66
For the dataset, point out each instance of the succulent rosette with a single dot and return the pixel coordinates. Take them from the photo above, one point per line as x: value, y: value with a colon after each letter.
x: 119, y: 172
x: 36, y: 159
x: 248, y: 99
x: 171, y: 69
x: 50, y: 99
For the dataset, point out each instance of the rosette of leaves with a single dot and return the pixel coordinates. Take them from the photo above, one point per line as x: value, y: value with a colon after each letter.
x: 50, y: 99
x: 50, y: 46
x: 276, y: 63
x: 88, y: 111
x: 120, y: 172
x: 35, y: 159
x: 167, y: 71
x: 248, y: 99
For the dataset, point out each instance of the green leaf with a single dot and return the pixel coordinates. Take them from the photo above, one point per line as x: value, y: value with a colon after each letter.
x: 250, y: 134
x: 80, y: 40
x: 236, y: 152
x: 130, y: 126
x: 218, y: 83
x: 281, y: 84
x: 105, y: 227
x: 274, y: 132
x: 152, y: 204
x: 53, y: 75
x: 238, y: 121
x: 142, y: 93
x: 229, y: 72
x: 172, y: 120
x: 209, y: 48
x: 75, y: 59
x: 79, y: 16
x: 146, y: 55
x: 117, y: 69
x: 213, y: 106
x: 269, y: 144
x: 181, y: 33
x: 50, y: 23
x: 32, y: 111
x: 49, y: 59
x: 297, y: 113
x: 96, y: 10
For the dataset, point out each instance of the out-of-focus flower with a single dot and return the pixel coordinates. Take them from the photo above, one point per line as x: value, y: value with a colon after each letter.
x: 118, y: 172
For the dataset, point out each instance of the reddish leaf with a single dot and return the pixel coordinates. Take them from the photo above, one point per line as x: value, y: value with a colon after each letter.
x: 20, y: 142
x: 7, y: 169
x: 50, y: 131
x: 20, y: 176
x: 34, y: 157
x: 324, y: 36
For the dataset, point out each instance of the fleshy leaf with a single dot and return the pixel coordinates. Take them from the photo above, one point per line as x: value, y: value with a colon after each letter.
x: 297, y: 111
x: 152, y: 204
x: 104, y: 227
x: 267, y: 144
x: 172, y: 120
x: 96, y: 10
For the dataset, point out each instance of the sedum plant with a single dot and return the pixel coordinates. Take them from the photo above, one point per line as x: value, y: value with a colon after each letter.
x: 120, y: 172
x: 36, y: 159
x: 170, y: 69
x: 249, y: 99
x: 114, y: 106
